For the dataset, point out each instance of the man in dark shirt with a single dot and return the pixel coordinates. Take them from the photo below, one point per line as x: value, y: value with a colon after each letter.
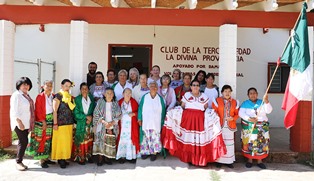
x: 92, y: 68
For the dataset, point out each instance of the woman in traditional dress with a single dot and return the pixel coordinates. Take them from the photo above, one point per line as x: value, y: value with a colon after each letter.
x: 98, y: 89
x: 63, y: 106
x: 151, y: 114
x: 128, y: 139
x: 211, y: 90
x: 121, y: 85
x: 227, y: 108
x: 181, y: 90
x: 155, y: 75
x: 141, y: 89
x: 83, y: 116
x: 106, y: 116
x: 200, y: 77
x: 40, y: 144
x: 176, y: 78
x: 255, y: 141
x: 134, y: 77
x: 22, y: 116
x: 192, y: 134
x: 167, y: 92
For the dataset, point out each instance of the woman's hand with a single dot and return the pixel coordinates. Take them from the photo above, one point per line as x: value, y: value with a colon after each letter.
x: 108, y: 125
x: 44, y: 126
x: 88, y: 119
x: 131, y: 114
x: 265, y: 99
x: 253, y: 119
x: 139, y: 122
x: 20, y: 125
x: 55, y: 126
x: 230, y: 118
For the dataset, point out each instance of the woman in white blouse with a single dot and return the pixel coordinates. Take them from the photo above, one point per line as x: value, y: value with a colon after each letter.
x: 255, y: 128
x: 22, y: 117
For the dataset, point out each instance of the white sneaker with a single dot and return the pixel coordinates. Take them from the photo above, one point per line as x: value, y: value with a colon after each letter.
x: 20, y: 167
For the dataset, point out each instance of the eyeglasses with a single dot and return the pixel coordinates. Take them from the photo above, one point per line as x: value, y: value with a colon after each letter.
x: 195, y: 85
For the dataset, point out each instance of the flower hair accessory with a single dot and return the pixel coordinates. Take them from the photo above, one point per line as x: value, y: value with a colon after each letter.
x: 72, y: 84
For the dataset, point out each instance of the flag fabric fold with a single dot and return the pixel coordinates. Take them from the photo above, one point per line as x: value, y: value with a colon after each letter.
x: 297, y: 56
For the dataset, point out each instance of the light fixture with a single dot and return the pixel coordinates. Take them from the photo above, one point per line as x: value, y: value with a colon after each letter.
x: 274, y: 5
x: 122, y: 56
x: 235, y: 4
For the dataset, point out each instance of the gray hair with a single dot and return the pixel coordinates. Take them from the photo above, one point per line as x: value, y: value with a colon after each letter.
x: 126, y: 90
x: 153, y: 82
x: 137, y: 74
x: 123, y: 71
x: 47, y: 81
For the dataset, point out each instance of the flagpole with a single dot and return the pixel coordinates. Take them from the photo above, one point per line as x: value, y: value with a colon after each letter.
x: 274, y: 73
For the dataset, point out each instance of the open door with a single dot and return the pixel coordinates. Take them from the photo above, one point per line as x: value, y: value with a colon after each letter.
x: 127, y: 56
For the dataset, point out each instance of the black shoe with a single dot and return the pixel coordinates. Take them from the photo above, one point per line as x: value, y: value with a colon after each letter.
x: 99, y: 164
x: 50, y: 162
x: 218, y: 165
x: 261, y: 165
x: 132, y: 161
x: 62, y: 163
x: 107, y: 161
x: 153, y: 157
x: 81, y: 163
x: 144, y: 157
x: 248, y: 164
x: 44, y: 165
x: 90, y: 160
x: 230, y: 165
x: 122, y: 160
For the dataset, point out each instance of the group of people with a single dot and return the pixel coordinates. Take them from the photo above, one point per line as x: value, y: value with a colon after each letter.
x: 138, y: 116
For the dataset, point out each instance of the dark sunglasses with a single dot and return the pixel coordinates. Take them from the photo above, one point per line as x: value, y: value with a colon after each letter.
x: 195, y: 85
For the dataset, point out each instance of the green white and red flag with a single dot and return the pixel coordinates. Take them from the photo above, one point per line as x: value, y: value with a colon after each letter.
x: 297, y: 56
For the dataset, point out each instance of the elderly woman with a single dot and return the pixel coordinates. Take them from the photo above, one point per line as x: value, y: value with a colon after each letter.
x: 166, y: 92
x: 141, y: 89
x: 200, y: 76
x: 106, y: 116
x: 128, y: 139
x: 22, y: 117
x: 255, y: 128
x: 155, y: 75
x: 176, y: 78
x: 192, y: 134
x: 134, y: 77
x: 227, y: 108
x: 63, y: 106
x: 211, y: 90
x: 83, y: 115
x: 121, y: 85
x: 151, y: 114
x: 98, y: 88
x: 182, y: 89
x: 40, y: 144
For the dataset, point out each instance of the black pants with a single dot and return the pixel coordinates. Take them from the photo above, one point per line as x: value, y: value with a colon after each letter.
x: 23, y: 141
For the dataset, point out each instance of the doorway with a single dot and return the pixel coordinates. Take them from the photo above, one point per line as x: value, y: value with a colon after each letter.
x: 126, y: 56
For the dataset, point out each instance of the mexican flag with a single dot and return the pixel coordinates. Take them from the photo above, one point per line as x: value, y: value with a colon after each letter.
x: 297, y: 56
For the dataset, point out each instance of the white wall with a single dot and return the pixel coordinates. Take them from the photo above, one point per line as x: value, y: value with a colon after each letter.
x: 53, y: 45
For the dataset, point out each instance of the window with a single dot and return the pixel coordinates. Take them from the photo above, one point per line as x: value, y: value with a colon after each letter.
x: 281, y: 77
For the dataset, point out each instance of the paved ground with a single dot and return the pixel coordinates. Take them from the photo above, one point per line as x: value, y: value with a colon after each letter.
x: 169, y: 169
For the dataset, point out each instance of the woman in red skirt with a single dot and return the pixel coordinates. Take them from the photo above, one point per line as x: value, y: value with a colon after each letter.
x: 193, y: 134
